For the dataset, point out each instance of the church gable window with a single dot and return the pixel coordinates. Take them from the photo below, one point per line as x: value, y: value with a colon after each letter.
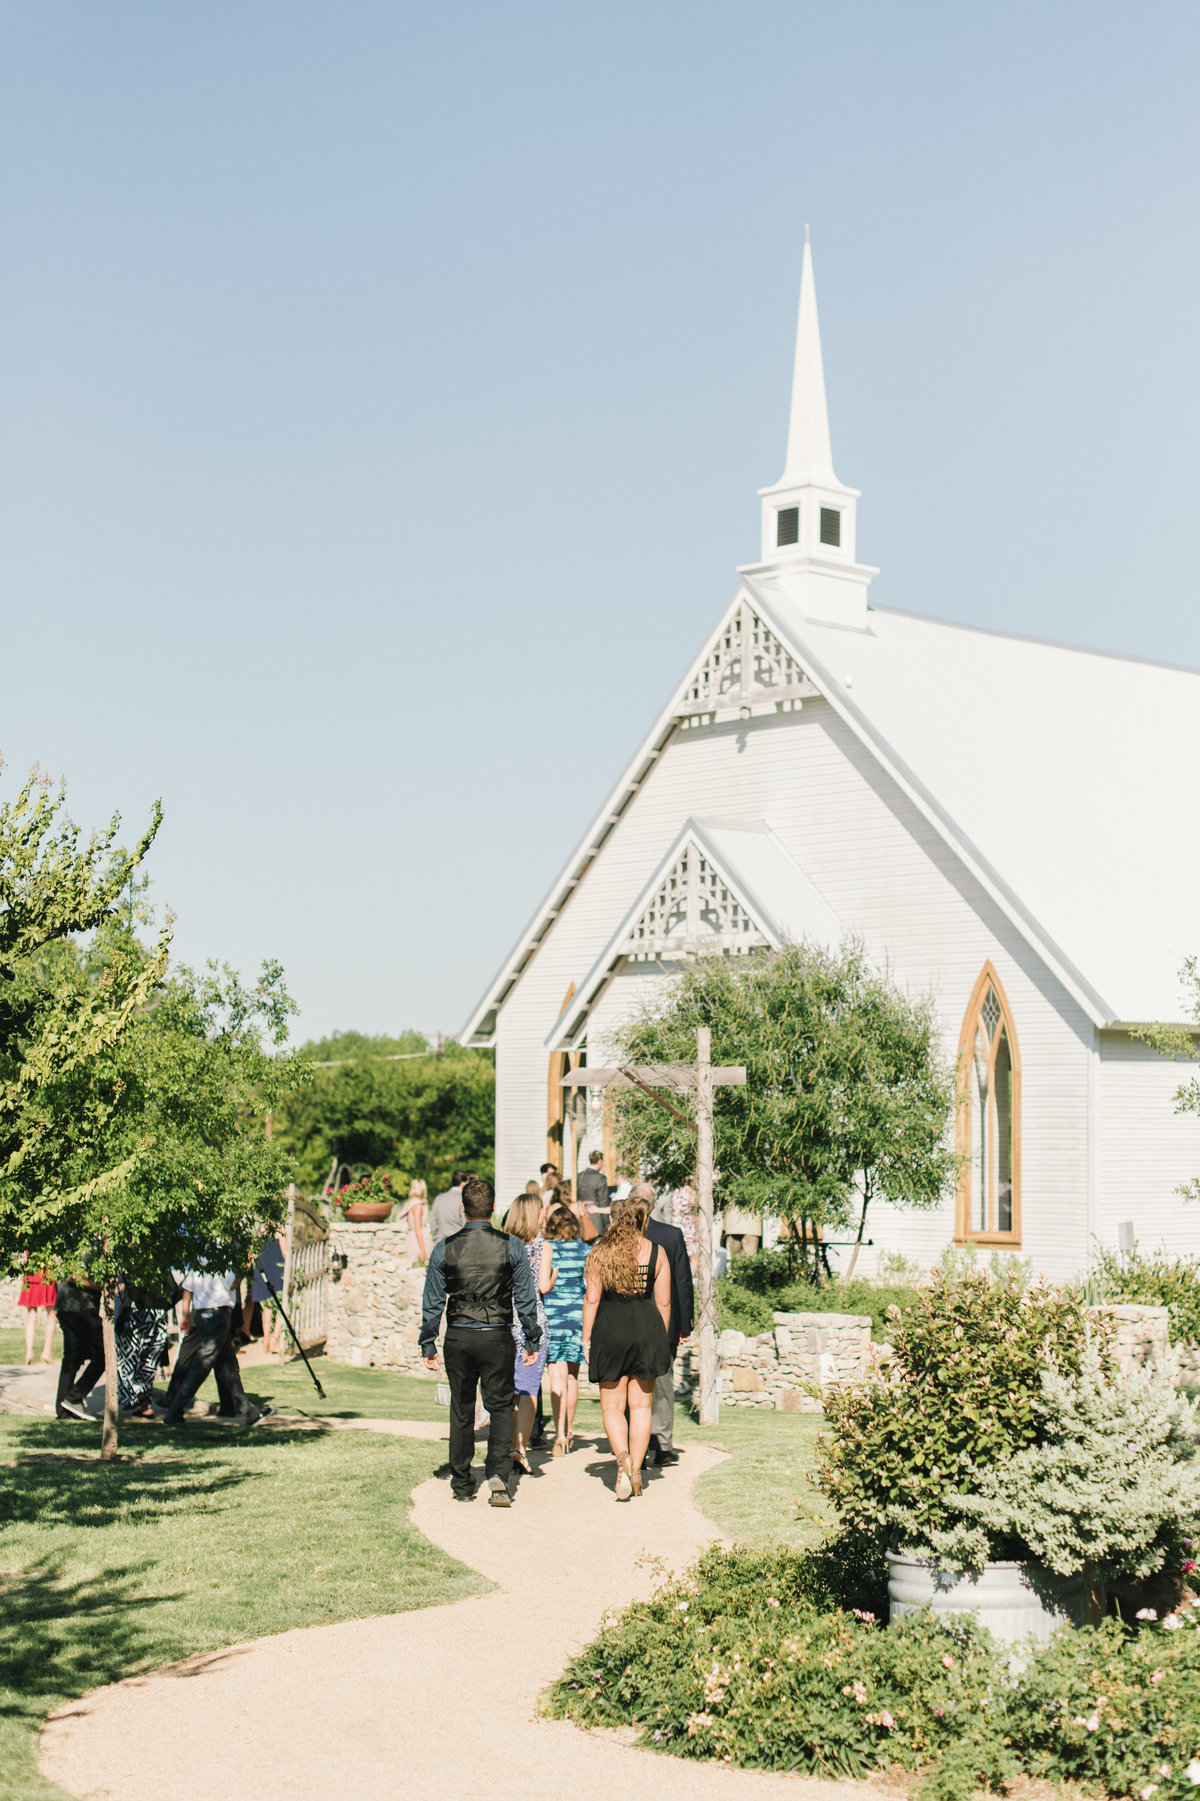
x: 831, y: 526
x: 694, y: 911
x: 989, y: 1192
x: 747, y: 663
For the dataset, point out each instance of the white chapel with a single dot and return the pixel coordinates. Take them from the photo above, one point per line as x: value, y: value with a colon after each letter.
x: 1005, y: 824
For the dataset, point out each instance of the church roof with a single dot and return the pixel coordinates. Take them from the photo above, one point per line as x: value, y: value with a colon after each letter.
x: 1061, y: 777
x: 1068, y: 773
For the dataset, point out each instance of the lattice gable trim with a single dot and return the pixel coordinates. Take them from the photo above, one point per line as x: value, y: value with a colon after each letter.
x: 746, y: 670
x: 693, y: 911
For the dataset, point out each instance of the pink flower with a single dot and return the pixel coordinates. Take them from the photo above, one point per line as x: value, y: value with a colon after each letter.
x: 1156, y: 1676
x: 1146, y: 1613
x: 947, y: 1662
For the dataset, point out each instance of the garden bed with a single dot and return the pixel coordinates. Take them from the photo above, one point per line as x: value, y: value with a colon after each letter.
x: 780, y: 1661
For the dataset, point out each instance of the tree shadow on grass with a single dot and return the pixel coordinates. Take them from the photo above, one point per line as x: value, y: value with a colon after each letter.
x: 57, y: 1478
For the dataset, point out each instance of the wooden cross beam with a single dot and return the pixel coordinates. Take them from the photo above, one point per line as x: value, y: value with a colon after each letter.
x: 702, y: 1077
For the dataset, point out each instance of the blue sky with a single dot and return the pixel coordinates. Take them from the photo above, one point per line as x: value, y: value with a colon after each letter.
x: 386, y: 389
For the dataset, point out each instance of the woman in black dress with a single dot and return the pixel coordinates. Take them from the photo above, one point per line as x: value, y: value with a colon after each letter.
x: 626, y: 1309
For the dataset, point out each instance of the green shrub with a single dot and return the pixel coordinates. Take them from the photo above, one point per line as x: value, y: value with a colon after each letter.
x: 959, y: 1395
x: 738, y: 1661
x: 1160, y: 1281
x: 1113, y: 1710
x: 748, y: 1660
x: 755, y: 1288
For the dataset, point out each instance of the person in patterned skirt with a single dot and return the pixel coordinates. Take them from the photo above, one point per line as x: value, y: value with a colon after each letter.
x: 560, y: 1278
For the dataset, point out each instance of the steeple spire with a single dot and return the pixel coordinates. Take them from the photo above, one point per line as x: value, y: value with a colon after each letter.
x: 809, y: 516
x: 809, y: 456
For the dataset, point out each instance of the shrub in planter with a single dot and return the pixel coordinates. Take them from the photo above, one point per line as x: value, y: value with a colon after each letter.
x: 1112, y: 1484
x: 959, y: 1396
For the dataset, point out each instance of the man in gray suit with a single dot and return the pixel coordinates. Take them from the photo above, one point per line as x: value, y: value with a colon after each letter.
x: 446, y: 1215
x: 593, y: 1192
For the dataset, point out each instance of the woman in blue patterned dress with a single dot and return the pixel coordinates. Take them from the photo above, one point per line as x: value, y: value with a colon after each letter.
x: 561, y: 1282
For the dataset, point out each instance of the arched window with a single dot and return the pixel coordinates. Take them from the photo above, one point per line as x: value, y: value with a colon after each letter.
x: 989, y: 1118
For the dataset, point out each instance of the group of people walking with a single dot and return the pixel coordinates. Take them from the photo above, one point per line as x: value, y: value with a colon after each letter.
x: 546, y: 1295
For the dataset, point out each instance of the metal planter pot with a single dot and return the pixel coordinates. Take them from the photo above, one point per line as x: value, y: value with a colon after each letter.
x: 1013, y: 1600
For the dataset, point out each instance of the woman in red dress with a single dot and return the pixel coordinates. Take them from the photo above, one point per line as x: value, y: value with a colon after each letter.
x: 38, y: 1291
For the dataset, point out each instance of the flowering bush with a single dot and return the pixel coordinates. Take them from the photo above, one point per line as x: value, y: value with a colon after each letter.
x: 376, y: 1189
x: 958, y: 1396
x: 1154, y: 1281
x: 747, y: 1661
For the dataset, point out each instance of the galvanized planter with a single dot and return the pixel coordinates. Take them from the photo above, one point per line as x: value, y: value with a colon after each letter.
x: 1013, y: 1600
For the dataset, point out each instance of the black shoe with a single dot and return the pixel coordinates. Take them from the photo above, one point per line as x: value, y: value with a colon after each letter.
x: 652, y: 1451
x: 499, y: 1496
x: 75, y: 1409
x: 667, y: 1456
x: 463, y: 1494
x: 264, y: 1413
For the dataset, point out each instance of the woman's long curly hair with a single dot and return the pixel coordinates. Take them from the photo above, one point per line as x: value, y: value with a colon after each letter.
x: 614, y: 1262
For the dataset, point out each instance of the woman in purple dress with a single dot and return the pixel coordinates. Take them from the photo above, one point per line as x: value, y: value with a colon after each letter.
x: 524, y: 1221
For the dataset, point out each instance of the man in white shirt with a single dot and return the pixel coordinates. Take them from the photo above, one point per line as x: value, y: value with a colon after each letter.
x: 206, y: 1321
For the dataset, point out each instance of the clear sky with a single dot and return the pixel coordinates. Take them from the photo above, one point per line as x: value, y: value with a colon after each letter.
x: 386, y: 388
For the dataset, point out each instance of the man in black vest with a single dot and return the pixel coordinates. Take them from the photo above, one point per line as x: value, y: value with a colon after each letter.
x: 477, y: 1274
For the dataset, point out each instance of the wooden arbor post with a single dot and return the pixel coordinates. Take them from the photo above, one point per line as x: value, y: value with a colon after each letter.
x: 701, y: 1076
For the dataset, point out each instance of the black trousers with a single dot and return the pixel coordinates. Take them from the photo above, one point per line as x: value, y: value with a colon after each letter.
x: 78, y: 1311
x: 208, y: 1348
x: 486, y: 1360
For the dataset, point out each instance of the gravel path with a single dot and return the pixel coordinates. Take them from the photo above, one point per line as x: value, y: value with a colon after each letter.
x: 435, y: 1703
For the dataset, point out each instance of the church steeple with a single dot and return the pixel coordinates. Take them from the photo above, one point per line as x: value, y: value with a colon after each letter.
x: 808, y: 516
x: 809, y: 454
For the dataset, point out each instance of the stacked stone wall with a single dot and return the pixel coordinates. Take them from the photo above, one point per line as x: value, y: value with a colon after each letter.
x: 774, y: 1369
x: 373, y: 1309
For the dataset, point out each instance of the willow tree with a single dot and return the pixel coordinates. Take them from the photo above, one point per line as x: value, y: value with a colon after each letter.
x: 847, y: 1094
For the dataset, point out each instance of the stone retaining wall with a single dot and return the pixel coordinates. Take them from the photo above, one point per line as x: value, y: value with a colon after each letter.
x: 10, y: 1313
x: 771, y: 1368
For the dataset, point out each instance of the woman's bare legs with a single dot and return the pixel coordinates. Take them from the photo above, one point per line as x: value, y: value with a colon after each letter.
x: 572, y: 1398
x: 30, y: 1321
x: 641, y: 1396
x: 523, y: 1418
x: 612, y: 1409
x: 48, y: 1346
x: 557, y: 1373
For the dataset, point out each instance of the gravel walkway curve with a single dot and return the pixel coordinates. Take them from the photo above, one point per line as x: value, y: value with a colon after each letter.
x: 431, y: 1704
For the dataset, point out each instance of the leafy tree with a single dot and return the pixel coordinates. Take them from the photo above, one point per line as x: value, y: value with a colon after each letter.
x: 846, y: 1094
x: 350, y: 1047
x: 423, y: 1117
x: 185, y: 1092
x: 54, y: 1023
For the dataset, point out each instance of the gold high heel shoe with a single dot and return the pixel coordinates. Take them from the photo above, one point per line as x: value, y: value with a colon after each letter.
x: 635, y: 1482
x: 624, y: 1479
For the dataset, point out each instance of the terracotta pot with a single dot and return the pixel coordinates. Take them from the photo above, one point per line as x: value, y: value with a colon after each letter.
x: 368, y: 1210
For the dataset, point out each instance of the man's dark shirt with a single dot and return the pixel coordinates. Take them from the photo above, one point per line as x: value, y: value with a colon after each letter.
x: 683, y: 1302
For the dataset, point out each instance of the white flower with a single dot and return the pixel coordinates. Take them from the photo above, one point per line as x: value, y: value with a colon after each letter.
x: 772, y: 1602
x: 1193, y: 1772
x: 1144, y: 1794
x: 681, y: 1606
x: 1172, y: 1622
x: 1146, y: 1613
x: 1164, y: 1769
x: 1093, y: 1722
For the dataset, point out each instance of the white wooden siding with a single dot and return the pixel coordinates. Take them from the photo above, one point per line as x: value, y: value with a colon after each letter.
x: 1146, y: 1148
x: 893, y: 882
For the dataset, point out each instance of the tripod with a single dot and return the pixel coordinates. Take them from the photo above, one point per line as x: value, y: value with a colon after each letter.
x: 274, y: 1293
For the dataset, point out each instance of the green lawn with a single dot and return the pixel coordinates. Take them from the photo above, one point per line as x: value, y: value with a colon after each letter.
x: 191, y: 1543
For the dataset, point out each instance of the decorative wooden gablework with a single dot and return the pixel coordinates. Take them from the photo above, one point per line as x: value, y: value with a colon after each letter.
x: 694, y: 910
x: 746, y: 667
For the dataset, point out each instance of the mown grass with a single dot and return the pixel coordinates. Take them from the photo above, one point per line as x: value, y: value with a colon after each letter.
x: 193, y: 1542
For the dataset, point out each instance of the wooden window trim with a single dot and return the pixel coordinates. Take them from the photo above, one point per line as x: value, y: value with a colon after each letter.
x: 556, y: 1100
x: 964, y: 1233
